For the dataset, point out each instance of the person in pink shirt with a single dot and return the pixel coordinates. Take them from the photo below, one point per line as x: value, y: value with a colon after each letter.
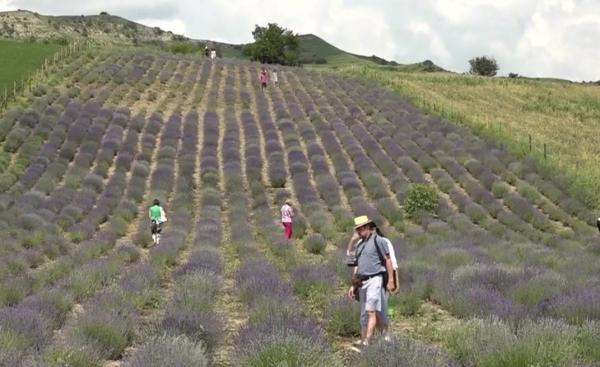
x: 263, y: 77
x: 287, y: 213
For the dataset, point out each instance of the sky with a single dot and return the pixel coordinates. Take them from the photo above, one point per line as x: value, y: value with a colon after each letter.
x: 537, y: 38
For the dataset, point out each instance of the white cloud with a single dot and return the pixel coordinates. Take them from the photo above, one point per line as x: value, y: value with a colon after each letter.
x: 531, y: 37
x: 176, y: 26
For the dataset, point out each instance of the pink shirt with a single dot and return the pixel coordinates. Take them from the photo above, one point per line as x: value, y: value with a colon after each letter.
x: 287, y: 212
x: 264, y: 77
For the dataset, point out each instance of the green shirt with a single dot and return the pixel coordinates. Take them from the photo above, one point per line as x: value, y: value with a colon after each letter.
x: 155, y: 212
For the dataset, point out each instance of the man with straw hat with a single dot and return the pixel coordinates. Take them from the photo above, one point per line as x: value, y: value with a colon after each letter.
x: 372, y: 266
x: 287, y: 213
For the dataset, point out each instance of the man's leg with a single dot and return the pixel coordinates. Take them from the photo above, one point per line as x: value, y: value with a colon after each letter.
x: 372, y: 305
x: 383, y: 322
x: 364, y: 317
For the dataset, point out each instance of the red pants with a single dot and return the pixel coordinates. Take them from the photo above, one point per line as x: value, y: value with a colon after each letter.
x: 287, y: 230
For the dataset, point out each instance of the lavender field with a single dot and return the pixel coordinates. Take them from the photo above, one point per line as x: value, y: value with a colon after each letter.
x: 504, y: 271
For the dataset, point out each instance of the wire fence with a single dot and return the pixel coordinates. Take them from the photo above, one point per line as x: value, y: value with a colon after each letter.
x: 27, y: 83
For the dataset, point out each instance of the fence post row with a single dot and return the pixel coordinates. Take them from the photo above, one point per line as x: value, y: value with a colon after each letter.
x: 58, y: 56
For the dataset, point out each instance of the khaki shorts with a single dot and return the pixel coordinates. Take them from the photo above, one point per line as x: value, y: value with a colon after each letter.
x: 372, y: 297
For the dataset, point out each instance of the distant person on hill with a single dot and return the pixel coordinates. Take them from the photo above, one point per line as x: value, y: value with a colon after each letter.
x: 157, y: 218
x: 263, y: 77
x: 372, y: 275
x: 287, y: 213
x: 274, y: 77
x: 206, y: 51
x: 213, y: 54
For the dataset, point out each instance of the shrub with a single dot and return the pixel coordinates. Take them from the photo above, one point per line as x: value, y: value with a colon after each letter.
x: 285, y: 350
x: 404, y: 352
x: 420, y: 197
x: 67, y: 356
x: 343, y: 219
x: 492, y: 343
x: 588, y: 341
x: 343, y: 317
x: 320, y: 222
x: 315, y: 243
x: 499, y: 189
x: 128, y: 252
x: 408, y: 302
x: 313, y: 282
x: 299, y: 227
x: 483, y: 65
x: 159, y: 351
x: 476, y: 213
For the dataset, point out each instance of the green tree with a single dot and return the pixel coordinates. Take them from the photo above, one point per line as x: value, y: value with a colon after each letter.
x: 273, y: 45
x: 483, y: 65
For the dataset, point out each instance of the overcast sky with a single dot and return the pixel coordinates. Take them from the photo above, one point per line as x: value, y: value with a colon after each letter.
x: 552, y: 38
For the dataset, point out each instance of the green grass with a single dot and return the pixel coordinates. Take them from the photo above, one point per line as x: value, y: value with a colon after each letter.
x: 21, y: 59
x: 560, y: 114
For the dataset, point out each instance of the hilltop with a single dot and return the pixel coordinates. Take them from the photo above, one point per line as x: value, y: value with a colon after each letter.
x: 316, y: 51
x: 27, y: 25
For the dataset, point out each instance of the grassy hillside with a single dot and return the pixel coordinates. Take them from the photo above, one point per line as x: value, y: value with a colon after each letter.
x: 20, y: 59
x: 26, y: 25
x: 560, y: 114
x: 502, y: 252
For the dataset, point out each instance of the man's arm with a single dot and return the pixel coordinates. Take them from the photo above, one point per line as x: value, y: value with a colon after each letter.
x: 351, y: 290
x: 390, y: 274
x: 351, y: 243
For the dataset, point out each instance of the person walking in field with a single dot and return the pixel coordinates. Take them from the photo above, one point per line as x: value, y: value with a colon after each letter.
x: 287, y: 213
x: 263, y: 78
x: 372, y: 276
x: 274, y: 77
x: 157, y: 218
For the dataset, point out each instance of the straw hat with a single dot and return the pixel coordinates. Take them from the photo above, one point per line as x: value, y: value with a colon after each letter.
x: 361, y: 221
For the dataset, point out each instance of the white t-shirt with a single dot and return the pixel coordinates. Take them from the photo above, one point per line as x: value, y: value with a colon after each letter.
x: 391, y: 251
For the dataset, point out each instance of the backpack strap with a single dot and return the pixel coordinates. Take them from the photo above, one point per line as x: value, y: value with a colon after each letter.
x: 381, y: 258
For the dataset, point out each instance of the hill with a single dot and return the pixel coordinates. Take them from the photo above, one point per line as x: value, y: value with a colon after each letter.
x: 27, y: 25
x: 504, y: 252
x: 315, y: 51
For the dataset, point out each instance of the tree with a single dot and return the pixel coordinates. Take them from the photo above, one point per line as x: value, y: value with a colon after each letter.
x: 273, y: 45
x: 483, y: 65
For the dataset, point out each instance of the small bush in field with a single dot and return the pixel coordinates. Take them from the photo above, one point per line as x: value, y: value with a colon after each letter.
x: 343, y: 218
x: 321, y: 223
x: 159, y: 351
x: 286, y: 350
x: 499, y: 189
x: 313, y: 282
x: 343, y: 317
x: 420, y: 197
x: 67, y: 356
x: 315, y: 243
x: 404, y: 352
x: 408, y: 302
x: 299, y: 226
x: 119, y: 226
x: 108, y: 326
x: 588, y: 341
x: 492, y: 343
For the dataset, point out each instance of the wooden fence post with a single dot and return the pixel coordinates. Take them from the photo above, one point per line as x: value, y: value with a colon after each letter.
x: 545, y: 152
